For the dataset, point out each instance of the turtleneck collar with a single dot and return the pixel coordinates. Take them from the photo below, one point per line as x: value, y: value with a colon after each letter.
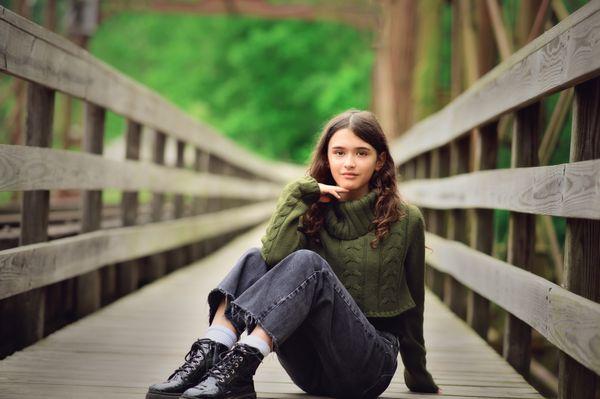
x: 347, y: 220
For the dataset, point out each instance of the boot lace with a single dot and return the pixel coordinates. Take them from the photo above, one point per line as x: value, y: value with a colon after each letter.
x: 193, y: 357
x: 229, y: 363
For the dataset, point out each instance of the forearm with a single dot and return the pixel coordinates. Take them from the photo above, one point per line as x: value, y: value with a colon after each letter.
x: 282, y: 236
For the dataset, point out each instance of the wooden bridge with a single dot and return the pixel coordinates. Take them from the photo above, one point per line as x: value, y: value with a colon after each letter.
x: 139, y: 274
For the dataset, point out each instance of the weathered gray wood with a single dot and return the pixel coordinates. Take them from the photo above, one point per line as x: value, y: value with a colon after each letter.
x: 87, y: 286
x: 582, y: 249
x: 34, y: 266
x: 552, y: 310
x: 561, y: 57
x: 128, y: 272
x: 33, y: 53
x: 25, y: 168
x: 566, y: 190
x: 482, y: 226
x: 120, y: 351
x: 455, y: 294
x: 521, y: 234
x: 28, y: 311
x: 158, y: 262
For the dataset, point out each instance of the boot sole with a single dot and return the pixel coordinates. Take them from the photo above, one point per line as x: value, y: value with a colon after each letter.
x: 154, y: 395
x: 246, y: 396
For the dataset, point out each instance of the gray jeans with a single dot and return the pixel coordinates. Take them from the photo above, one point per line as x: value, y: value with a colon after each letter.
x: 321, y: 337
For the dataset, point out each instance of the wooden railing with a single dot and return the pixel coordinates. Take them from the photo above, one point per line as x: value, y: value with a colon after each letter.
x: 230, y: 189
x: 434, y: 159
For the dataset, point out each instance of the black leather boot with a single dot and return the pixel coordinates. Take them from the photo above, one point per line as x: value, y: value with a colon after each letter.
x: 201, y: 357
x: 231, y: 378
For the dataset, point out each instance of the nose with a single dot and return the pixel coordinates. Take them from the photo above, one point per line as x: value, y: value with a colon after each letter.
x: 349, y: 162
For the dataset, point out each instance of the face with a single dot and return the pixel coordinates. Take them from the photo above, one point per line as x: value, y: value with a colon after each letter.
x: 352, y: 162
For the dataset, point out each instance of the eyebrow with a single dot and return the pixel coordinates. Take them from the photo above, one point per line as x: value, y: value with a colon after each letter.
x: 337, y: 147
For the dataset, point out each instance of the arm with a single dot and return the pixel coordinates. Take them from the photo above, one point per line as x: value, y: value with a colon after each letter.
x: 282, y: 236
x: 412, y: 343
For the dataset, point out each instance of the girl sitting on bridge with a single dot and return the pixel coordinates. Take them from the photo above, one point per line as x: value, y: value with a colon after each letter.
x: 337, y: 289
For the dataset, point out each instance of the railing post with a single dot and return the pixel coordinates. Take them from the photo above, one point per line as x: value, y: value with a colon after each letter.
x: 200, y: 204
x: 29, y: 307
x: 409, y: 171
x: 214, y: 204
x: 87, y: 286
x: 516, y: 347
x: 440, y: 165
x: 128, y: 272
x: 176, y: 257
x: 157, y: 266
x: 582, y: 251
x: 482, y: 225
x: 423, y: 170
x: 455, y: 294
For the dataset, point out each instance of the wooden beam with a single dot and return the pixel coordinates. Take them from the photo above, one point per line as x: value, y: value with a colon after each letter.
x: 36, y: 265
x: 566, y: 190
x: 32, y: 168
x: 357, y: 16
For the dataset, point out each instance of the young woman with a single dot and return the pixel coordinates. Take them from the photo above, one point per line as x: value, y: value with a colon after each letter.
x: 336, y: 290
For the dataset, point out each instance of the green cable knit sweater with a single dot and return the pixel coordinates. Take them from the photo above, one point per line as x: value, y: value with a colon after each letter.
x: 387, y: 283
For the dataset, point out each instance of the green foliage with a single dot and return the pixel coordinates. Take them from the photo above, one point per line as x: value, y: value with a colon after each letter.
x: 268, y: 85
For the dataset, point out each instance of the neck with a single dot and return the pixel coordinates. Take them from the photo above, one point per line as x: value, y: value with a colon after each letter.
x: 354, y: 194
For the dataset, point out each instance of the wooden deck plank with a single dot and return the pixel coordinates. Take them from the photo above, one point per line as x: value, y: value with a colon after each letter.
x: 120, y: 350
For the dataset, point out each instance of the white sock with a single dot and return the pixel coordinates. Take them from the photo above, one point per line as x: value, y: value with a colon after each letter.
x: 222, y: 335
x: 257, y: 343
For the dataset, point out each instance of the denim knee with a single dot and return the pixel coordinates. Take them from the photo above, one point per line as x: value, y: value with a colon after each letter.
x: 309, y: 258
x: 253, y: 252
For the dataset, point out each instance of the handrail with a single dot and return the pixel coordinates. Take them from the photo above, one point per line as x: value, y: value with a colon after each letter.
x: 36, y: 168
x: 567, y: 190
x: 36, y: 265
x: 31, y: 52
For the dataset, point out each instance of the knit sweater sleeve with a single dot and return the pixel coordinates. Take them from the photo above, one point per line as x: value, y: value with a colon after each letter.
x: 282, y: 236
x: 412, y: 343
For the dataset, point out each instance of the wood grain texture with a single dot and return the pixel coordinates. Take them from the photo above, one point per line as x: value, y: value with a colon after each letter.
x: 28, y: 168
x: 563, y: 56
x: 553, y: 311
x: 140, y: 339
x: 33, y: 53
x: 31, y: 266
x: 568, y: 190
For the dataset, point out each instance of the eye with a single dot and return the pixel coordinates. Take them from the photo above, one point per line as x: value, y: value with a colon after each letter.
x: 338, y: 152
x: 363, y: 153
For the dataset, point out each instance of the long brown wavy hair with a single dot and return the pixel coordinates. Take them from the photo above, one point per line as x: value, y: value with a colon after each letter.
x: 363, y: 124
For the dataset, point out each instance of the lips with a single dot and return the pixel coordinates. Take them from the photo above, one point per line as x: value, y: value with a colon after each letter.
x: 349, y: 175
